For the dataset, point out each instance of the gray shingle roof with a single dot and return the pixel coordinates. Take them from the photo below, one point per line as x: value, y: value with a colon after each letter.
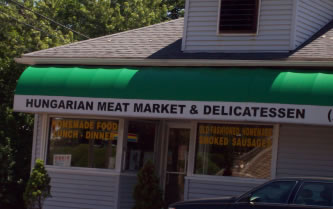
x: 319, y: 46
x: 163, y: 41
x: 138, y: 43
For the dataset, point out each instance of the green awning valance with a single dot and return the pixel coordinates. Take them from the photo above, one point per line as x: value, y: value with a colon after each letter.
x: 181, y: 84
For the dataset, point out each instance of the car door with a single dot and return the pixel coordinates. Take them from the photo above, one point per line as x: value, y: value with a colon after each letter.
x: 313, y: 195
x: 273, y: 195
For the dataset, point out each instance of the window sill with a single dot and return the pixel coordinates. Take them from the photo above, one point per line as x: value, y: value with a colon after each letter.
x: 78, y: 170
x: 236, y: 34
x: 225, y: 179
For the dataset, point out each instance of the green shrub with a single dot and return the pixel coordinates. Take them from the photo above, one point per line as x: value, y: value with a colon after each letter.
x: 147, y: 193
x: 38, y: 187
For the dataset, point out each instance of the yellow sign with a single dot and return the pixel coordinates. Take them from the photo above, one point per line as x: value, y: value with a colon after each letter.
x: 235, y: 135
x: 88, y: 129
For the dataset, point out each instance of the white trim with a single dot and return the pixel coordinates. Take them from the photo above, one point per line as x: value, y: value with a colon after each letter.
x: 218, y: 17
x: 259, y: 13
x: 157, y: 150
x: 184, y: 39
x: 179, y: 124
x: 292, y: 39
x: 162, y: 151
x: 192, y: 147
x: 34, y: 142
x: 275, y: 148
x: 176, y: 62
x: 44, y: 137
x: 72, y: 116
x: 81, y: 170
x: 236, y: 122
x: 231, y: 179
x: 121, y: 144
x: 164, y: 144
x: 130, y: 174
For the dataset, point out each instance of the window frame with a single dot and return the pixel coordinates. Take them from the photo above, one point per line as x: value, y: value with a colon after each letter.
x: 235, y: 32
x: 192, y: 156
x: 45, y: 136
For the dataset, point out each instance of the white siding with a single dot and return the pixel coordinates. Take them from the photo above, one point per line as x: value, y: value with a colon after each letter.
x: 77, y: 188
x: 274, y: 33
x: 305, y: 151
x: 82, y: 190
x: 312, y: 15
x: 203, y: 187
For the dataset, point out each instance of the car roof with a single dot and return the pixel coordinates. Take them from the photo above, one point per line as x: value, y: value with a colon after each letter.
x: 306, y: 178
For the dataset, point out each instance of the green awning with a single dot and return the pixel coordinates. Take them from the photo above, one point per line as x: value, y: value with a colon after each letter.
x: 259, y: 85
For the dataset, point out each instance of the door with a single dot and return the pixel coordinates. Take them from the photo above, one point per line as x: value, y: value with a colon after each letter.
x: 176, y: 163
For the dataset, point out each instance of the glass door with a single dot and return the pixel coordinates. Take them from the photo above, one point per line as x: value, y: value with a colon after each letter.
x: 176, y: 164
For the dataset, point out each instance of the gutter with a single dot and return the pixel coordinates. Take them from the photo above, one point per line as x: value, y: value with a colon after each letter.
x: 174, y: 62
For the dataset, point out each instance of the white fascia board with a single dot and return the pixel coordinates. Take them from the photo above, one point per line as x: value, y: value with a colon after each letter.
x: 174, y: 62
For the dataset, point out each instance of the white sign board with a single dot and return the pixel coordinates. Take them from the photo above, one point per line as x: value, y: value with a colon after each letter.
x: 62, y: 160
x: 222, y: 111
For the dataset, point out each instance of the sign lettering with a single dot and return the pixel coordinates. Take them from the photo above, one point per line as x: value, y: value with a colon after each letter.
x: 229, y: 111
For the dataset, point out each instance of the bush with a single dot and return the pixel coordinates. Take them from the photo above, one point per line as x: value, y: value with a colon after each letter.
x: 147, y: 193
x: 38, y: 187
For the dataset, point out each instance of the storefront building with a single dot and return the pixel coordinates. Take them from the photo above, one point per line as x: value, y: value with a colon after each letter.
x: 214, y: 124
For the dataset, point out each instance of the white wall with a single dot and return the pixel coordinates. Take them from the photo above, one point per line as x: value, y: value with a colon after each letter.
x: 82, y: 190
x: 283, y: 25
x: 305, y: 151
x: 275, y: 24
x: 311, y: 16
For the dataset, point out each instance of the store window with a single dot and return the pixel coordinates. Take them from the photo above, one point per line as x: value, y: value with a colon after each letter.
x: 82, y: 143
x: 140, y: 144
x: 234, y: 150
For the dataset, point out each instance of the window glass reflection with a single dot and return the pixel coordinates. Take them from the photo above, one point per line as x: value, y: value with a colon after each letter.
x: 234, y: 150
x: 140, y: 144
x: 82, y: 143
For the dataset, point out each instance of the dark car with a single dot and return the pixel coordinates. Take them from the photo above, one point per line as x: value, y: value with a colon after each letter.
x: 291, y: 193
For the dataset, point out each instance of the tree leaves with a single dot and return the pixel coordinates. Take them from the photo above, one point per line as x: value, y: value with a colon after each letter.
x: 38, y: 187
x: 23, y: 30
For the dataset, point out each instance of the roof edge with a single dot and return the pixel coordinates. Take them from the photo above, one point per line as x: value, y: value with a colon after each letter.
x: 175, y: 62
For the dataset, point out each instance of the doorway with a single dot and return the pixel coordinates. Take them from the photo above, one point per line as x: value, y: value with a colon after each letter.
x: 176, y: 163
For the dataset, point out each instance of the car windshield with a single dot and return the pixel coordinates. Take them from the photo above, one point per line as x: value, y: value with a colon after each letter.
x: 274, y: 192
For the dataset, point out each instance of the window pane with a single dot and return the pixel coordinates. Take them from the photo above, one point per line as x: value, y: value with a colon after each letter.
x: 234, y: 150
x: 239, y: 16
x: 140, y: 144
x: 82, y: 143
x: 315, y: 193
x: 275, y: 192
